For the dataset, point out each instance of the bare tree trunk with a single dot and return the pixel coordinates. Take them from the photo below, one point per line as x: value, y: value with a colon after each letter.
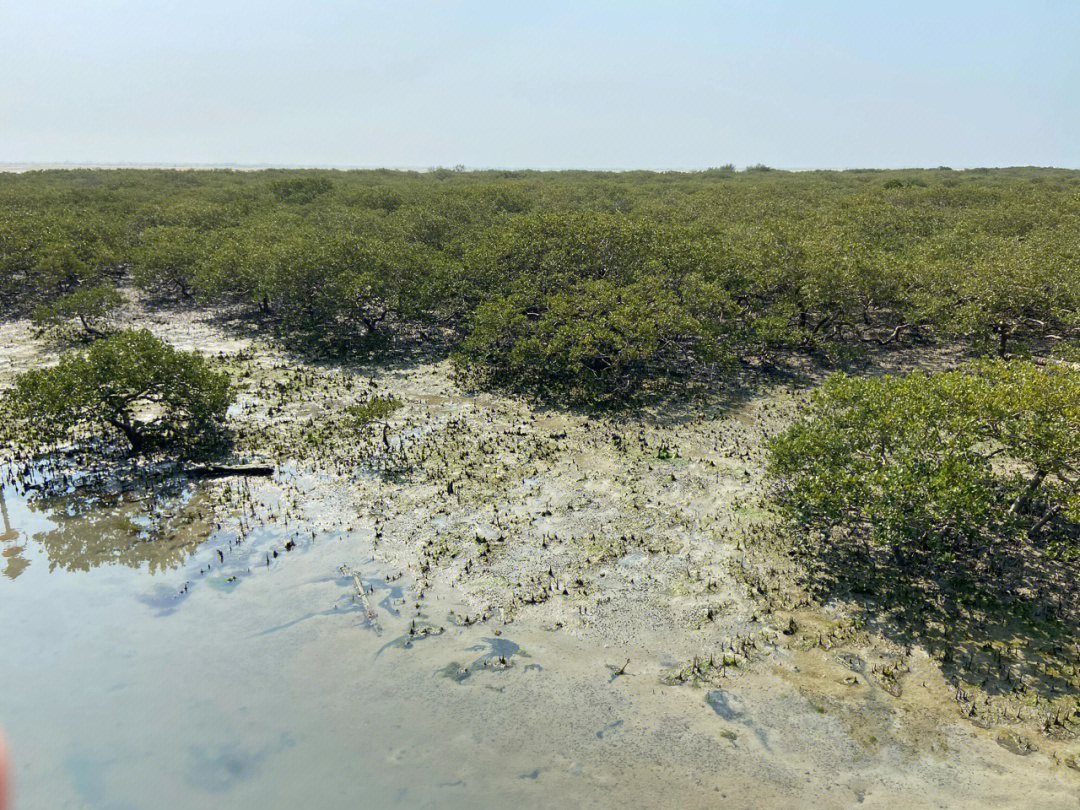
x: 90, y: 330
x: 1029, y: 492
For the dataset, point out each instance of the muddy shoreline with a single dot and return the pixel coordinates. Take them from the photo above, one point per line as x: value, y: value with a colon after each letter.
x: 619, y: 568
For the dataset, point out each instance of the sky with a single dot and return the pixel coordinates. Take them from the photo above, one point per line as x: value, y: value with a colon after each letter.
x: 537, y: 84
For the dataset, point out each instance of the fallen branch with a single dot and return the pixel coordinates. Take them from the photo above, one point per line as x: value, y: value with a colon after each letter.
x: 218, y: 471
x: 372, y: 616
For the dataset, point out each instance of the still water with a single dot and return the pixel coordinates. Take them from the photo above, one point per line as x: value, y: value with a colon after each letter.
x: 164, y: 662
x: 141, y: 668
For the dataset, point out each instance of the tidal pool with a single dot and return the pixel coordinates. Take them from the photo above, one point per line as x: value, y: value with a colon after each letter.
x: 168, y: 663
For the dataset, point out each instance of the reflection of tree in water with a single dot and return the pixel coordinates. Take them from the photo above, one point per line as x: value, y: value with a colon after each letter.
x: 14, y: 562
x: 159, y: 525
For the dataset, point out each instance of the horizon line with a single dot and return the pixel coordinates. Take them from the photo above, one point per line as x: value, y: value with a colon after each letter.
x: 15, y: 167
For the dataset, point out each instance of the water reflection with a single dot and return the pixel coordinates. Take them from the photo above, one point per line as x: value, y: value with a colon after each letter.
x: 154, y: 524
x: 14, y: 561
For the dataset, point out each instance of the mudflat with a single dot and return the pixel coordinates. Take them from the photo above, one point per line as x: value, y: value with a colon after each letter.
x: 490, y: 604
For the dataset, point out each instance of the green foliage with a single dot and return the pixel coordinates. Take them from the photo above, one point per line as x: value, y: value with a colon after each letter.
x: 169, y: 258
x: 582, y: 285
x: 374, y: 409
x: 88, y: 310
x: 1016, y: 288
x: 46, y: 254
x: 300, y: 190
x: 594, y: 306
x: 130, y: 386
x: 986, y: 452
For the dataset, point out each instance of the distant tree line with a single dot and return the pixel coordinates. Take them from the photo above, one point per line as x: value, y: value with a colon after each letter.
x: 589, y: 287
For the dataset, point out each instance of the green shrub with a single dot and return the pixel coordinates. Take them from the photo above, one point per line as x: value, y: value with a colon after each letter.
x: 169, y: 259
x: 300, y: 190
x: 987, y: 452
x: 375, y: 409
x: 89, y: 310
x: 594, y: 308
x: 129, y: 387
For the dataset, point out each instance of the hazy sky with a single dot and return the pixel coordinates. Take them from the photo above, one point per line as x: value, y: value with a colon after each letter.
x: 541, y: 84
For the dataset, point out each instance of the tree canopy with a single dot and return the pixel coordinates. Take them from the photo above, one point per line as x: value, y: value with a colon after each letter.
x: 87, y: 312
x: 957, y: 459
x: 592, y: 286
x: 130, y: 387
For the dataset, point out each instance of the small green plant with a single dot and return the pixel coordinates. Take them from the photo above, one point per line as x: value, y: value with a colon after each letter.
x: 594, y: 309
x: 168, y: 259
x: 375, y: 409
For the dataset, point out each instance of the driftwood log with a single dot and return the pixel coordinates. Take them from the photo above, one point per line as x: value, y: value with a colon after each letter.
x: 218, y: 471
x: 372, y: 616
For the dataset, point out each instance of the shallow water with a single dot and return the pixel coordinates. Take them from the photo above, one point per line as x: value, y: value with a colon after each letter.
x: 146, y: 675
x: 154, y: 673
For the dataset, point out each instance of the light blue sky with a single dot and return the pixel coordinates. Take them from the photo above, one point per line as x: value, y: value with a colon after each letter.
x: 541, y: 84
